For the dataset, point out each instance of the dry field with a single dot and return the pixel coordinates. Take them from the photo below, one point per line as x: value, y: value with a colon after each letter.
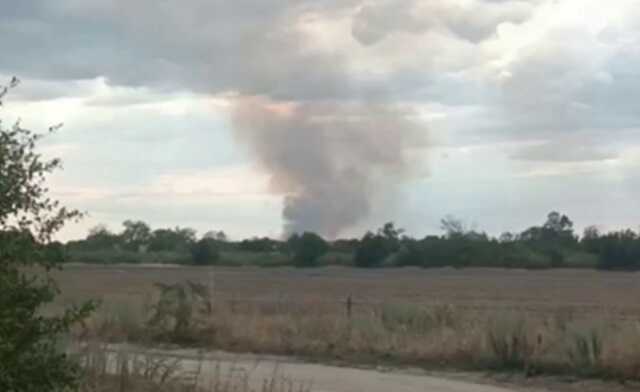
x: 575, y: 322
x: 583, y: 292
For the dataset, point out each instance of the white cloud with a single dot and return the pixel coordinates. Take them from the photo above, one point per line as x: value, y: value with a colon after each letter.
x: 544, y: 90
x: 472, y: 20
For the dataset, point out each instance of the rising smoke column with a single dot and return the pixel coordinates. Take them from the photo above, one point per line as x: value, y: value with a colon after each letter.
x: 329, y: 160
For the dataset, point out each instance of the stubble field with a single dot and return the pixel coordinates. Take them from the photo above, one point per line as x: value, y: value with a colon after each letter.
x: 584, y: 292
x: 578, y: 322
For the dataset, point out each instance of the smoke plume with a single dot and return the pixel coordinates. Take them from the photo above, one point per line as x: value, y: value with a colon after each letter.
x: 329, y: 160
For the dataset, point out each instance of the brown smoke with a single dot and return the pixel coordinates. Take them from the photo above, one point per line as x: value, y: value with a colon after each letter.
x: 329, y: 160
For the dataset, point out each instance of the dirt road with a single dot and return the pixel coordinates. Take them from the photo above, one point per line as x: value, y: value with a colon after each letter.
x: 321, y: 378
x: 314, y: 377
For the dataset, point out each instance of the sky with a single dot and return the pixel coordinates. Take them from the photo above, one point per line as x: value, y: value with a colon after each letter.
x: 267, y: 116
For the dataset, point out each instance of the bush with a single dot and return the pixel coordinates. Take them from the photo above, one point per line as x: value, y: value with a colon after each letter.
x: 31, y: 359
x: 372, y: 251
x: 557, y: 258
x: 180, y: 311
x: 263, y: 244
x: 585, y: 351
x: 619, y: 251
x: 205, y: 252
x: 128, y: 257
x: 510, y: 344
x: 307, y: 249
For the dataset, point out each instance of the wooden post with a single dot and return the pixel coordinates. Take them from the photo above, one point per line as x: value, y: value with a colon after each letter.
x: 233, y: 303
x: 349, y: 304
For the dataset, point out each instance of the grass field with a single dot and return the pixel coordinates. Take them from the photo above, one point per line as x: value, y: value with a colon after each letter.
x: 579, y: 291
x: 562, y: 321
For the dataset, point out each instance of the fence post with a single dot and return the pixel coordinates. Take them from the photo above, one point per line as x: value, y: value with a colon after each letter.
x: 233, y: 303
x: 349, y: 304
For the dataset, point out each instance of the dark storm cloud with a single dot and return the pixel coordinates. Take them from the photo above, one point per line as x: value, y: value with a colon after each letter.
x: 208, y: 46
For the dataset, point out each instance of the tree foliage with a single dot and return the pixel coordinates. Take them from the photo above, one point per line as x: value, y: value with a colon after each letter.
x: 307, y: 248
x: 101, y: 238
x: 551, y: 244
x: 178, y: 239
x: 256, y: 244
x: 375, y: 248
x: 180, y: 311
x: 136, y: 235
x: 218, y: 235
x: 30, y: 357
x: 205, y: 252
x: 618, y: 250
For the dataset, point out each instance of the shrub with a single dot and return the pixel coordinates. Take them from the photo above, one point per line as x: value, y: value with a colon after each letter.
x: 307, y: 249
x: 510, y: 344
x: 180, y: 311
x: 205, y: 252
x: 259, y: 245
x: 372, y: 251
x: 619, y: 250
x: 30, y: 356
x: 585, y: 351
x: 406, y: 318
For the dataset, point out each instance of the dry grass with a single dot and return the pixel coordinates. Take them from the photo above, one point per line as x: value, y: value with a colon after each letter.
x: 119, y: 370
x: 435, y: 337
x: 282, y: 312
x: 578, y: 291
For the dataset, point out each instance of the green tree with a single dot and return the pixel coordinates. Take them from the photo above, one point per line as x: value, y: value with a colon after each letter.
x: 553, y: 239
x: 453, y: 227
x: 557, y: 229
x: 136, y: 234
x: 100, y: 238
x: 375, y: 248
x: 30, y: 356
x: 372, y: 251
x: 558, y: 223
x: 591, y: 239
x: 307, y: 248
x: 263, y: 244
x: 619, y: 251
x: 217, y: 235
x: 205, y: 252
x: 178, y: 239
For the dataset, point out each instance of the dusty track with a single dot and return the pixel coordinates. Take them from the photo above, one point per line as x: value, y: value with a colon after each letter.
x: 320, y: 378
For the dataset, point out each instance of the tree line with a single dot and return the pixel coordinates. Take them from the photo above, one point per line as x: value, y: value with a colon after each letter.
x: 553, y: 244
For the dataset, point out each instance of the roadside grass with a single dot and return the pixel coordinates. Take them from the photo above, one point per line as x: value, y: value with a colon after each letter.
x: 106, y: 369
x: 434, y: 337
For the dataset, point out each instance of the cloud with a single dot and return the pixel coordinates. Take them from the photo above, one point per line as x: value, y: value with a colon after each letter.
x: 33, y: 90
x: 131, y: 79
x: 208, y: 46
x: 233, y: 198
x: 559, y: 152
x: 473, y: 21
x: 572, y: 75
x: 250, y: 47
x: 552, y: 84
